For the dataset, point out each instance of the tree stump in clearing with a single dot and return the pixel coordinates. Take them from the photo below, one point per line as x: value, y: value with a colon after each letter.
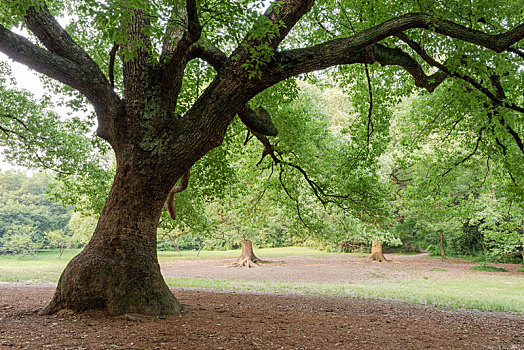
x: 247, y: 257
x: 376, y: 252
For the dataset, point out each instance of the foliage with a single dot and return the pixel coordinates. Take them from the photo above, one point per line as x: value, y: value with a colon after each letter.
x: 447, y: 183
x: 55, y: 239
x: 383, y: 161
x: 18, y: 239
x: 26, y: 216
x: 82, y: 228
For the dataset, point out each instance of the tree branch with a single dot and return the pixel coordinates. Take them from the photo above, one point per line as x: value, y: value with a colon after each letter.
x: 92, y: 84
x: 283, y: 14
x: 318, y: 191
x: 137, y: 70
x: 370, y: 111
x: 183, y: 29
x: 291, y: 197
x: 27, y: 143
x: 517, y: 52
x: 42, y: 24
x: 351, y: 50
x: 184, y: 180
x: 258, y: 121
x: 112, y: 56
x: 471, y: 154
x: 181, y: 33
x: 497, y: 99
x: 210, y: 54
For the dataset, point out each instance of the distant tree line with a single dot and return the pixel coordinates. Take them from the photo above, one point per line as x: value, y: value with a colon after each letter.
x: 28, y: 220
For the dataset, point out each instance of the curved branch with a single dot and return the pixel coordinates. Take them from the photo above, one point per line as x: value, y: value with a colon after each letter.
x: 209, y: 53
x: 90, y: 83
x: 496, y: 99
x: 184, y: 180
x: 471, y: 154
x: 351, y: 50
x: 258, y: 121
x: 388, y: 57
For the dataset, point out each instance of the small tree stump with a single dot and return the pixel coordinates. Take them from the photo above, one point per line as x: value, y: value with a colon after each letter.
x: 376, y: 252
x: 247, y: 257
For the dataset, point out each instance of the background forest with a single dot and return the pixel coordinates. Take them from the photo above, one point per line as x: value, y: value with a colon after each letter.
x: 424, y: 184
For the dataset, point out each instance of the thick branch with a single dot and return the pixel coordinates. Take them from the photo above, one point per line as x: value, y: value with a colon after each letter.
x: 287, y: 12
x: 496, y: 99
x: 209, y: 53
x: 55, y: 38
x: 180, y: 34
x: 183, y: 29
x: 388, y: 56
x: 258, y: 121
x: 281, y: 16
x: 88, y: 82
x: 136, y: 70
x: 347, y: 50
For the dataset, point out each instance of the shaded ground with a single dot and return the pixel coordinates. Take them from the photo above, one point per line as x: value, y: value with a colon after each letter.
x: 249, y: 321
x: 335, y: 269
x: 262, y: 321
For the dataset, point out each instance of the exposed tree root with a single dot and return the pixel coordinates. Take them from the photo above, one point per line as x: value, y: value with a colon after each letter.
x: 247, y: 257
x: 246, y: 262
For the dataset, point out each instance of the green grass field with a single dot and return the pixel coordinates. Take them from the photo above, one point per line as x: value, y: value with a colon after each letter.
x: 483, y: 293
x: 477, y: 291
x: 46, y: 267
x: 265, y: 252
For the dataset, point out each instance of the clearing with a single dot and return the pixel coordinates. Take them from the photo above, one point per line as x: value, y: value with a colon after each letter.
x: 293, y: 302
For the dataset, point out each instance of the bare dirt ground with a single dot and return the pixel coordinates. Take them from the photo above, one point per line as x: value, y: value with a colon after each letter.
x: 335, y: 269
x: 255, y: 321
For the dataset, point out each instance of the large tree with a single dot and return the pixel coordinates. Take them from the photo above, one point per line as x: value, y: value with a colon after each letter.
x: 158, y: 130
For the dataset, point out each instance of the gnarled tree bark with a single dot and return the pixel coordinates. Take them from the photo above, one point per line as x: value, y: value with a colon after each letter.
x: 118, y: 270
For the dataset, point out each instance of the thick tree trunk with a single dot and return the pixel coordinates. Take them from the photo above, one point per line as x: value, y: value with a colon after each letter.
x: 247, y: 257
x: 376, y: 252
x: 118, y: 270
